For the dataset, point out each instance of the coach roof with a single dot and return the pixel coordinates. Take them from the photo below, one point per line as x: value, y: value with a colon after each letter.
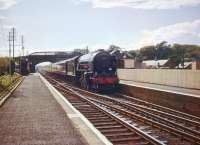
x: 67, y: 60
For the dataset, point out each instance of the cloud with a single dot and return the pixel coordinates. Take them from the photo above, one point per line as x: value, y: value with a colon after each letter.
x: 142, y: 4
x: 2, y: 18
x: 5, y: 4
x: 8, y: 27
x: 186, y: 32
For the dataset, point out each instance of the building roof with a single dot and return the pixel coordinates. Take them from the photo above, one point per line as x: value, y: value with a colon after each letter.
x: 186, y: 65
x: 49, y: 53
x: 155, y: 63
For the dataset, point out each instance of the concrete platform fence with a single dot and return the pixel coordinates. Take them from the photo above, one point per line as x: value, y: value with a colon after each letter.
x: 170, y: 77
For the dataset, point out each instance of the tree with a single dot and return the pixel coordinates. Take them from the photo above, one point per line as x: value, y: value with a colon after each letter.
x: 4, y: 64
x: 163, y: 50
x: 148, y: 52
x: 134, y: 53
x: 114, y: 47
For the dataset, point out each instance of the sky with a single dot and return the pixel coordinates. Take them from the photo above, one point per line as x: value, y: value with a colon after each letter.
x: 49, y: 25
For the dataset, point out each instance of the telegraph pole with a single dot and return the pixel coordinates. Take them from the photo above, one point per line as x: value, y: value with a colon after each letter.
x: 22, y: 41
x: 9, y: 40
x: 13, y: 39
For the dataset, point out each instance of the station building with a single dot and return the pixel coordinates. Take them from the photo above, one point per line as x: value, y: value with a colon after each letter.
x: 196, y: 63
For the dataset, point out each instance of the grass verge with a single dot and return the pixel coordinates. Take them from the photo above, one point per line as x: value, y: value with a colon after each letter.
x: 6, y: 81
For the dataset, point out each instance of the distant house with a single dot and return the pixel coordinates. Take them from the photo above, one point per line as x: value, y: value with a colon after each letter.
x: 155, y: 63
x: 187, y: 65
x: 163, y: 64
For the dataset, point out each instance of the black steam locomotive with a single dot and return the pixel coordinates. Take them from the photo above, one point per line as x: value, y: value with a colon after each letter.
x: 96, y: 70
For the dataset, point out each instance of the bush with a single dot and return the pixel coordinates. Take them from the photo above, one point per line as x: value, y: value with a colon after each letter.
x: 4, y: 65
x: 7, y: 80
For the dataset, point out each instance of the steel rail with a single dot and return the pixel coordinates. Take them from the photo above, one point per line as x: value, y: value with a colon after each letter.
x: 153, y: 116
x: 133, y: 106
x: 126, y: 104
x: 185, y: 135
x: 129, y: 126
x: 155, y: 106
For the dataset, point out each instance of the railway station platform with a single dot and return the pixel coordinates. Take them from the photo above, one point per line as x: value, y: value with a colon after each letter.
x: 180, y: 99
x: 172, y: 89
x: 34, y: 116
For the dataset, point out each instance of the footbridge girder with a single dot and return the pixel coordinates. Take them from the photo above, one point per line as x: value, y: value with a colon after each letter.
x: 38, y: 57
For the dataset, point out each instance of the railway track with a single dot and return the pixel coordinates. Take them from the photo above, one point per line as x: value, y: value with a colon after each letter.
x: 125, y: 120
x: 167, y: 111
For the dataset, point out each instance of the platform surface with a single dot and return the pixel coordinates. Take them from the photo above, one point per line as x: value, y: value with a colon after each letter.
x: 32, y: 116
x: 172, y: 89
